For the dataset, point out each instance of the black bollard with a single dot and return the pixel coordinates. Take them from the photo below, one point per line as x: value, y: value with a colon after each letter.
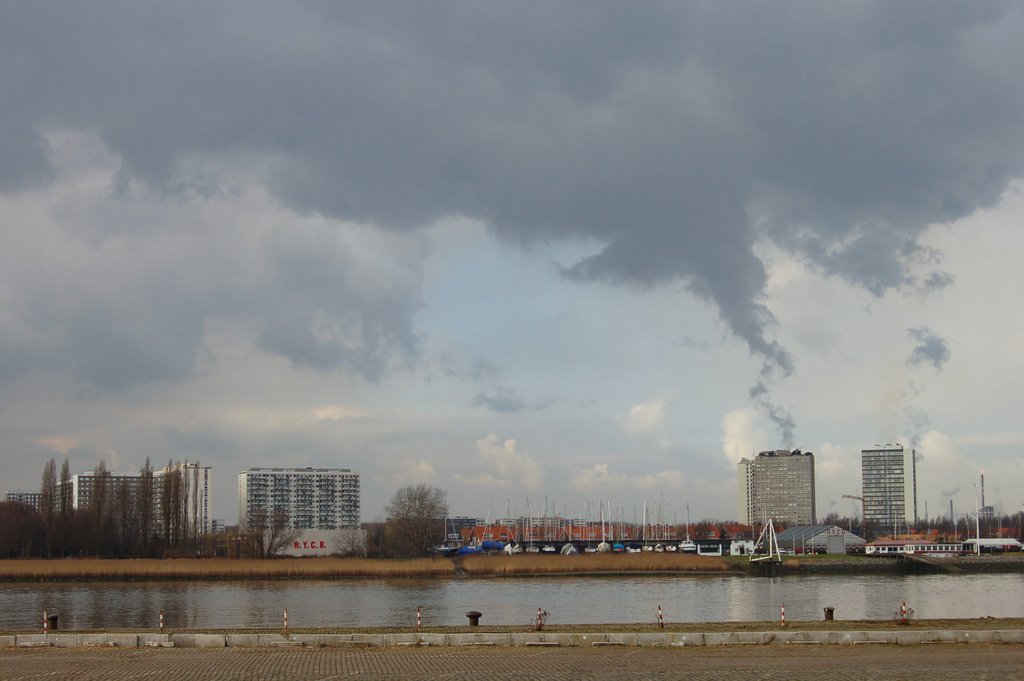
x: 53, y: 621
x: 829, y: 610
x: 474, y: 618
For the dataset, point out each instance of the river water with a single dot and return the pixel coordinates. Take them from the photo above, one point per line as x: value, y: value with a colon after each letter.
x: 506, y: 601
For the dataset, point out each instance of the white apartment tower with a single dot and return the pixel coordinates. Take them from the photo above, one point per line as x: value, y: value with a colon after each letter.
x: 777, y: 485
x: 310, y: 498
x: 889, y: 488
x: 190, y: 483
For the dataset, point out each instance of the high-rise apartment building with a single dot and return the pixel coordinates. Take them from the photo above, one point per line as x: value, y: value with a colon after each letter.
x: 309, y: 498
x: 889, y: 488
x: 30, y: 499
x: 189, y: 482
x: 777, y: 485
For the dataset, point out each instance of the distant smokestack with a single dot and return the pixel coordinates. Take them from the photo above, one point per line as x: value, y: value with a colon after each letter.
x: 983, y: 488
x: 951, y: 520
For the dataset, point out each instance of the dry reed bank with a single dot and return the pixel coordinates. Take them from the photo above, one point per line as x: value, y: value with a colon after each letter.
x: 98, y: 569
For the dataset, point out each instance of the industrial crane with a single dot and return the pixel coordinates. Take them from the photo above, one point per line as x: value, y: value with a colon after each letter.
x: 860, y: 499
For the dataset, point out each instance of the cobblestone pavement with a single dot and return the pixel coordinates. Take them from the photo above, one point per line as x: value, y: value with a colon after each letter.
x: 792, y: 663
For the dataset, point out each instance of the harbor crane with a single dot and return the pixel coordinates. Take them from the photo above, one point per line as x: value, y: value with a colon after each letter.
x: 863, y: 520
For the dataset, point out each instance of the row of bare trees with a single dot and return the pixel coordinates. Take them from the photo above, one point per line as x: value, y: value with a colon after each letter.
x: 158, y: 514
x: 118, y: 516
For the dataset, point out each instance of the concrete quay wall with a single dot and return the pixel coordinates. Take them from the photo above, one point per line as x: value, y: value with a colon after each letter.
x: 516, y: 639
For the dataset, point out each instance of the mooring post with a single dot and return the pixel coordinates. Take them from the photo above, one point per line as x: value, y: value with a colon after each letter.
x: 661, y: 618
x: 418, y: 617
x: 161, y: 621
x: 783, y: 613
x: 46, y: 623
x: 286, y: 621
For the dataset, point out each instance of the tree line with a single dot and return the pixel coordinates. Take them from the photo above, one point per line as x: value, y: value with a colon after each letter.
x: 123, y: 517
x: 157, y: 514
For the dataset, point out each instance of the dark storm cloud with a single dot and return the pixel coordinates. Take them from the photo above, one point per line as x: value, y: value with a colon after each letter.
x: 930, y: 349
x: 672, y: 134
x: 314, y: 320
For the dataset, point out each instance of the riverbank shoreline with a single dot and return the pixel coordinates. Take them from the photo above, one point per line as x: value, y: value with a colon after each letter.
x: 595, y: 565
x: 835, y: 625
x: 987, y: 630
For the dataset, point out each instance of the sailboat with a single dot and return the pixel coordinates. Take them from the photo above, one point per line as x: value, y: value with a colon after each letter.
x: 604, y: 546
x: 688, y: 545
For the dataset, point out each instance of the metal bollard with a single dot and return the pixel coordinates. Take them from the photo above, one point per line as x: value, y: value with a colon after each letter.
x: 474, y: 618
x: 661, y: 618
x: 904, y: 613
x: 829, y: 610
x: 53, y: 620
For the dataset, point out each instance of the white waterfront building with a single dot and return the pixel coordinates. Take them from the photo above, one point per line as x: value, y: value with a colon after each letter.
x: 310, y: 498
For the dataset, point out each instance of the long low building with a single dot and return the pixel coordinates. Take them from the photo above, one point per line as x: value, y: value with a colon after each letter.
x: 817, y: 538
x: 344, y: 541
x: 993, y: 545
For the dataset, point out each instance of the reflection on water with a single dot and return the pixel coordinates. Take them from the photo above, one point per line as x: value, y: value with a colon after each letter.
x: 508, y: 601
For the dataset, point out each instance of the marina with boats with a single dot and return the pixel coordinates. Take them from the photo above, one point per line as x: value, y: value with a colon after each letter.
x: 553, y: 534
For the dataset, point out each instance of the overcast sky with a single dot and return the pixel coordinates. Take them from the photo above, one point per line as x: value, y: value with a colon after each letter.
x: 556, y: 251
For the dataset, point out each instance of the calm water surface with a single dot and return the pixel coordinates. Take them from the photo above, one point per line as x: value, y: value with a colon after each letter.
x: 591, y: 600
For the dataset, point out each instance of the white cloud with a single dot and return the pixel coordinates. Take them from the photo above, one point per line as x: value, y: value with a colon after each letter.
x: 339, y: 412
x: 482, y: 480
x: 58, y: 444
x: 506, y: 459
x: 600, y: 476
x: 411, y: 472
x: 833, y: 462
x: 646, y: 417
x: 741, y: 437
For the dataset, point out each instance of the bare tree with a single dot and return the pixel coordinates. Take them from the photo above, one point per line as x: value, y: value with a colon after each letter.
x: 415, y: 517
x: 99, y: 507
x: 267, y: 534
x: 184, y: 484
x: 169, y: 490
x: 48, y: 504
x: 193, y: 506
x: 126, y: 518
x: 146, y: 507
x: 65, y: 504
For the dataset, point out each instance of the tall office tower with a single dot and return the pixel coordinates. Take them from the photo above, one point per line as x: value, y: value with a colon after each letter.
x: 745, y: 492
x: 889, y: 484
x: 777, y: 485
x: 310, y: 498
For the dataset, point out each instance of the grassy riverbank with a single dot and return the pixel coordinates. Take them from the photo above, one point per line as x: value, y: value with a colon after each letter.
x: 94, y: 569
